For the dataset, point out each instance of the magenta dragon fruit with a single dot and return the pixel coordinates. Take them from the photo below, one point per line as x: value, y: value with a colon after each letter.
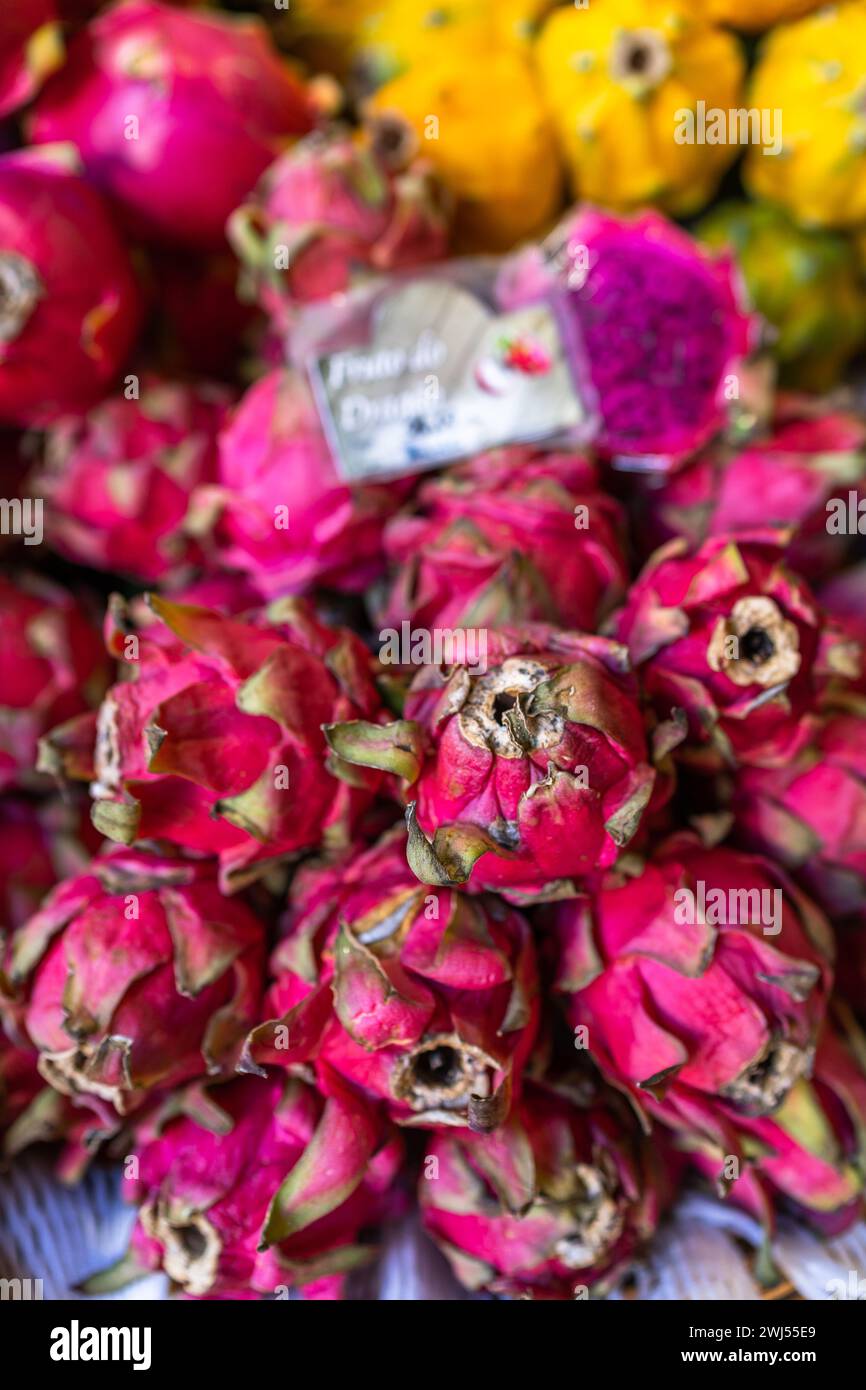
x: 426, y: 1000
x: 809, y: 813
x: 708, y: 971
x: 215, y: 740
x: 53, y: 667
x: 70, y: 303
x: 279, y: 513
x: 665, y: 331
x: 557, y: 1202
x: 330, y: 204
x: 527, y: 768
x: 117, y: 483
x: 844, y: 598
x: 807, y: 1157
x: 135, y: 975
x: 176, y: 114
x: 811, y: 456
x: 259, y: 1186
x: 31, y: 48
x: 728, y: 634
x: 511, y: 536
x: 20, y: 1084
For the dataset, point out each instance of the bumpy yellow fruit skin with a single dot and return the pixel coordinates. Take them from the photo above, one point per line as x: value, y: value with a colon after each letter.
x: 615, y: 75
x: 395, y: 37
x: 752, y: 16
x: 484, y: 129
x: 813, y: 72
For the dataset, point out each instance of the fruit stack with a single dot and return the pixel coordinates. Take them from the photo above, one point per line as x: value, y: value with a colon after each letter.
x: 534, y: 937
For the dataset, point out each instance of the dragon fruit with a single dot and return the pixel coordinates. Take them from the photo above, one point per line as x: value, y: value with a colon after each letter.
x: 665, y: 333
x: 557, y: 1202
x: 279, y: 513
x: 331, y: 203
x: 728, y: 634
x: 215, y: 743
x: 528, y: 768
x: 117, y: 483
x: 70, y: 304
x: 807, y: 1157
x: 435, y: 1004
x: 137, y: 974
x: 259, y: 1186
x: 511, y: 536
x: 844, y: 598
x: 812, y: 454
x: 31, y: 47
x: 53, y: 664
x: 809, y: 813
x: 708, y: 972
x: 176, y: 115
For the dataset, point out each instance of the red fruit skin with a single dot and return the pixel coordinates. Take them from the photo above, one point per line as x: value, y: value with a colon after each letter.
x: 136, y: 974
x: 29, y: 49
x: 810, y: 813
x: 499, y: 539
x: 77, y: 305
x: 410, y: 970
x: 810, y: 455
x: 806, y: 1158
x: 118, y: 482
x: 280, y: 514
x: 844, y: 598
x: 40, y: 842
x: 325, y: 208
x: 675, y: 621
x: 53, y: 665
x: 507, y: 1208
x: 214, y: 740
x: 280, y: 1185
x: 210, y: 96
x: 20, y: 1083
x: 557, y: 809
x: 671, y: 1003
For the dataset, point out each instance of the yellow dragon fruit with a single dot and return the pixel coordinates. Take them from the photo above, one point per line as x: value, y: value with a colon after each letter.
x: 617, y: 76
x: 812, y: 73
x: 482, y: 125
x: 753, y: 16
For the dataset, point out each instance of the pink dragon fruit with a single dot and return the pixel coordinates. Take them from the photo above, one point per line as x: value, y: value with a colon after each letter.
x: 215, y: 743
x: 332, y: 203
x: 810, y: 813
x: 665, y: 332
x: 807, y: 1157
x: 280, y: 514
x: 70, y: 304
x: 728, y: 634
x: 53, y: 665
x: 117, y: 483
x: 31, y: 47
x: 434, y: 1006
x: 137, y: 974
x: 511, y: 536
x: 557, y: 1202
x: 176, y: 114
x: 527, y: 769
x: 259, y: 1186
x: 812, y: 455
x: 708, y: 971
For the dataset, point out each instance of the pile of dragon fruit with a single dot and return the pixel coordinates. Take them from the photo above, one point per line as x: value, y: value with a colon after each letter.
x: 301, y: 937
